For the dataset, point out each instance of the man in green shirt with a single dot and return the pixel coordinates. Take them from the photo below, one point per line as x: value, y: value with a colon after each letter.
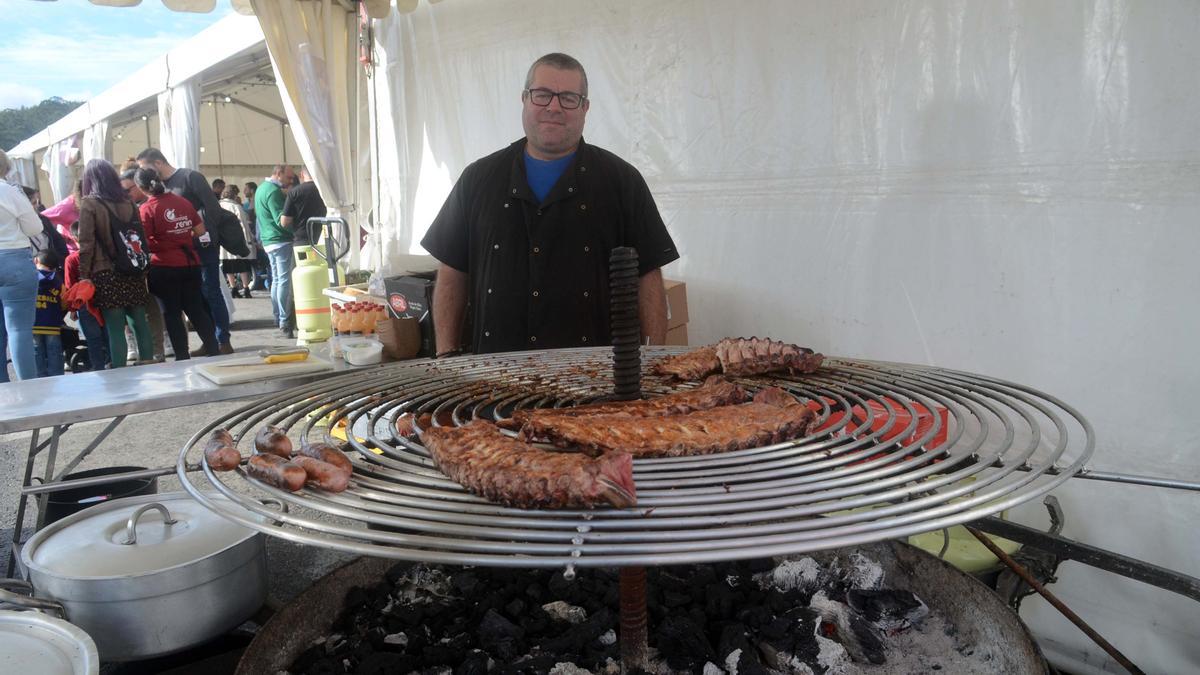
x: 277, y: 242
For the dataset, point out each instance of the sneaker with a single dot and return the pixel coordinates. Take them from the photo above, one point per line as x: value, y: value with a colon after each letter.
x: 199, y: 351
x: 246, y: 293
x: 225, y: 348
x: 289, y: 333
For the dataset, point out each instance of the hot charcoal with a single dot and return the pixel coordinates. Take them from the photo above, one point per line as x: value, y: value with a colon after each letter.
x: 751, y: 617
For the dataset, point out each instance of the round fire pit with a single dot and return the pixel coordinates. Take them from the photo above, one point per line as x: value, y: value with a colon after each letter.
x: 847, y: 610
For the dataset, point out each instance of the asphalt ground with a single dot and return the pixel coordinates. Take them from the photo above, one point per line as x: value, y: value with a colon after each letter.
x: 153, y: 440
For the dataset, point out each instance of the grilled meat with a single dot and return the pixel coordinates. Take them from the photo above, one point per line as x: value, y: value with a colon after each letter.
x: 501, y: 469
x: 772, y: 417
x: 739, y: 356
x: 716, y: 391
x: 690, y: 366
x: 752, y: 356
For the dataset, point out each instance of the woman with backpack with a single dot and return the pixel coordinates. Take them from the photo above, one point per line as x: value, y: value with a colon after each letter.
x: 175, y: 276
x: 112, y: 256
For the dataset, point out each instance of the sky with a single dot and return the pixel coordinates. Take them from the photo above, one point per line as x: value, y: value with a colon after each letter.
x: 74, y: 49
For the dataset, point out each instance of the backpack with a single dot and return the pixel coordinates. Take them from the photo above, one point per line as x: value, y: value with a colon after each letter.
x: 231, y: 235
x: 130, y: 254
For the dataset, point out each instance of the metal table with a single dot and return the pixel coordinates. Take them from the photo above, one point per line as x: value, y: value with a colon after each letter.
x: 51, y: 405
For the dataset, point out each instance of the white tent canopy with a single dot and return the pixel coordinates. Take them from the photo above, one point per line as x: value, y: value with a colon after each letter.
x: 242, y: 128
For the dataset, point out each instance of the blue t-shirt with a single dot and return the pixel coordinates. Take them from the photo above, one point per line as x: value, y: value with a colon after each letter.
x: 544, y: 173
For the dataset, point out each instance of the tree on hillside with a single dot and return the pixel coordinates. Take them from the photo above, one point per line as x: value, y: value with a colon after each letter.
x: 17, y: 124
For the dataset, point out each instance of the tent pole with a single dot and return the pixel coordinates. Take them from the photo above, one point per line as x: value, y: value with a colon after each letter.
x: 217, y: 124
x: 283, y: 139
x: 146, y: 120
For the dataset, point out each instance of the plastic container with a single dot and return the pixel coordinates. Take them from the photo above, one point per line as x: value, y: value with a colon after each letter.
x: 360, y: 352
x: 61, y: 504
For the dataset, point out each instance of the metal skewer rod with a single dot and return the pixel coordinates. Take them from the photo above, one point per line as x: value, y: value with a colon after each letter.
x: 1053, y: 600
x: 632, y: 588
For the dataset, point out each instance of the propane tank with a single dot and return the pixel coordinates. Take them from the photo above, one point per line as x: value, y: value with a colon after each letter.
x: 309, y: 279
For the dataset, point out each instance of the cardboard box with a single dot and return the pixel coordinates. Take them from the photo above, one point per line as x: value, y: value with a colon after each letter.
x: 411, y: 297
x: 677, y: 336
x: 677, y: 309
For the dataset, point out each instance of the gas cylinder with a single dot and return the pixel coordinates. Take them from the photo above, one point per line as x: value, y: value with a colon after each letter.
x: 309, y: 279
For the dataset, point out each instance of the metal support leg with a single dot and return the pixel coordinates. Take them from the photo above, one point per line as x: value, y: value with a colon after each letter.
x: 83, y: 454
x: 51, y: 456
x: 21, y: 502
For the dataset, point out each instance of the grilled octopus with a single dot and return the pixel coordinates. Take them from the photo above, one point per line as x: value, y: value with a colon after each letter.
x: 773, y: 416
x: 739, y: 356
x: 501, y: 469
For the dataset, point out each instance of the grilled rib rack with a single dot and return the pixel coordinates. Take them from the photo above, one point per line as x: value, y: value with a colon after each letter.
x: 845, y: 485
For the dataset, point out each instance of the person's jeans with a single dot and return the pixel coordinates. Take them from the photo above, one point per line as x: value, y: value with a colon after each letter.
x: 18, y: 293
x: 282, y: 264
x: 97, y: 341
x: 214, y: 297
x: 48, y: 352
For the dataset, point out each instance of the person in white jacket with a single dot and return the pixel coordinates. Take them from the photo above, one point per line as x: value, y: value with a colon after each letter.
x: 18, y: 276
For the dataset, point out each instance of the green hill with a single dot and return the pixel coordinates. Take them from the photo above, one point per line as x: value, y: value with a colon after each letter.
x: 17, y: 124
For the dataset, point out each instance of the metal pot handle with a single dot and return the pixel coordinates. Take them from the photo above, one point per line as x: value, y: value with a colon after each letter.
x: 131, y: 524
x: 9, y: 598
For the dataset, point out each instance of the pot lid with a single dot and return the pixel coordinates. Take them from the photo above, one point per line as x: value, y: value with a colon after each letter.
x: 35, y: 644
x: 94, y: 543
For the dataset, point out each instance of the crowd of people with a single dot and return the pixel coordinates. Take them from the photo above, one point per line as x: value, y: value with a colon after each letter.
x: 135, y: 249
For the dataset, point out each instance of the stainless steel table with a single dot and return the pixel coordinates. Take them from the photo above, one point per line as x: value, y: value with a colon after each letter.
x: 53, y: 404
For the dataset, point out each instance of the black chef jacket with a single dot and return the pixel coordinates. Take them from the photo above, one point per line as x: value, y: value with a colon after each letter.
x: 539, y: 272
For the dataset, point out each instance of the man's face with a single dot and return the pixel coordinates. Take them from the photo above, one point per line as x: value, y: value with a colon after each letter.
x: 157, y: 165
x: 287, y: 177
x: 553, y: 132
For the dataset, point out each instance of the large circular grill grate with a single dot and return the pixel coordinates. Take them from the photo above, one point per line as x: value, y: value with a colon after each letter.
x: 845, y: 485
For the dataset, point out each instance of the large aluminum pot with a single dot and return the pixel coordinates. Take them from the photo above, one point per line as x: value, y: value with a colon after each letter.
x: 150, y: 575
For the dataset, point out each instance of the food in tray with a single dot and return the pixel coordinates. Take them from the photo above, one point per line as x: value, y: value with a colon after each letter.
x: 220, y: 452
x: 716, y: 391
x: 739, y: 356
x: 273, y: 441
x: 277, y: 471
x: 773, y: 416
x: 323, y: 475
x: 327, y: 453
x: 501, y: 469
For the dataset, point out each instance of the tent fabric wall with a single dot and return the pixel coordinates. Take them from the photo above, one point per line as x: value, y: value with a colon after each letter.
x: 57, y: 163
x: 1005, y: 188
x: 312, y: 46
x: 96, y: 143
x: 179, y: 124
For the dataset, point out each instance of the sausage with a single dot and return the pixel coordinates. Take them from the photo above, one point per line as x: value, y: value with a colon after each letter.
x: 327, y: 453
x: 222, y: 435
x: 323, y: 475
x: 276, y: 471
x: 273, y: 441
x: 220, y: 455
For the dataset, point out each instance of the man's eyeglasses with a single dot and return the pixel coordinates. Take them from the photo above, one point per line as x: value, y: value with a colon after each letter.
x: 569, y: 100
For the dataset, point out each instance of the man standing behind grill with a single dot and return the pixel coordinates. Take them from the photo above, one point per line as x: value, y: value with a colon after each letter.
x: 525, y: 235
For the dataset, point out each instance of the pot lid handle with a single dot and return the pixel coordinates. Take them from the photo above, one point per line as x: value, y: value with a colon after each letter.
x: 27, y: 601
x: 131, y: 524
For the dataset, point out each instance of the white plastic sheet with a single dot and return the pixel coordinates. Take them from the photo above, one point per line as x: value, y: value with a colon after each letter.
x: 96, y: 143
x: 179, y: 124
x: 1002, y: 187
x: 57, y: 162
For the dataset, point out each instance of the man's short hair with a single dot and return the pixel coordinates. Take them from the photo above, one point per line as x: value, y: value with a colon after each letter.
x: 218, y: 181
x: 279, y: 169
x: 152, y: 155
x: 560, y: 61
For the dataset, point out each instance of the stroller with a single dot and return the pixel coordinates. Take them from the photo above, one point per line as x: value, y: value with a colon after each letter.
x: 75, y: 351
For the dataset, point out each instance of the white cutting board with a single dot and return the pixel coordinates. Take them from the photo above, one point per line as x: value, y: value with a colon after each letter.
x: 252, y: 369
